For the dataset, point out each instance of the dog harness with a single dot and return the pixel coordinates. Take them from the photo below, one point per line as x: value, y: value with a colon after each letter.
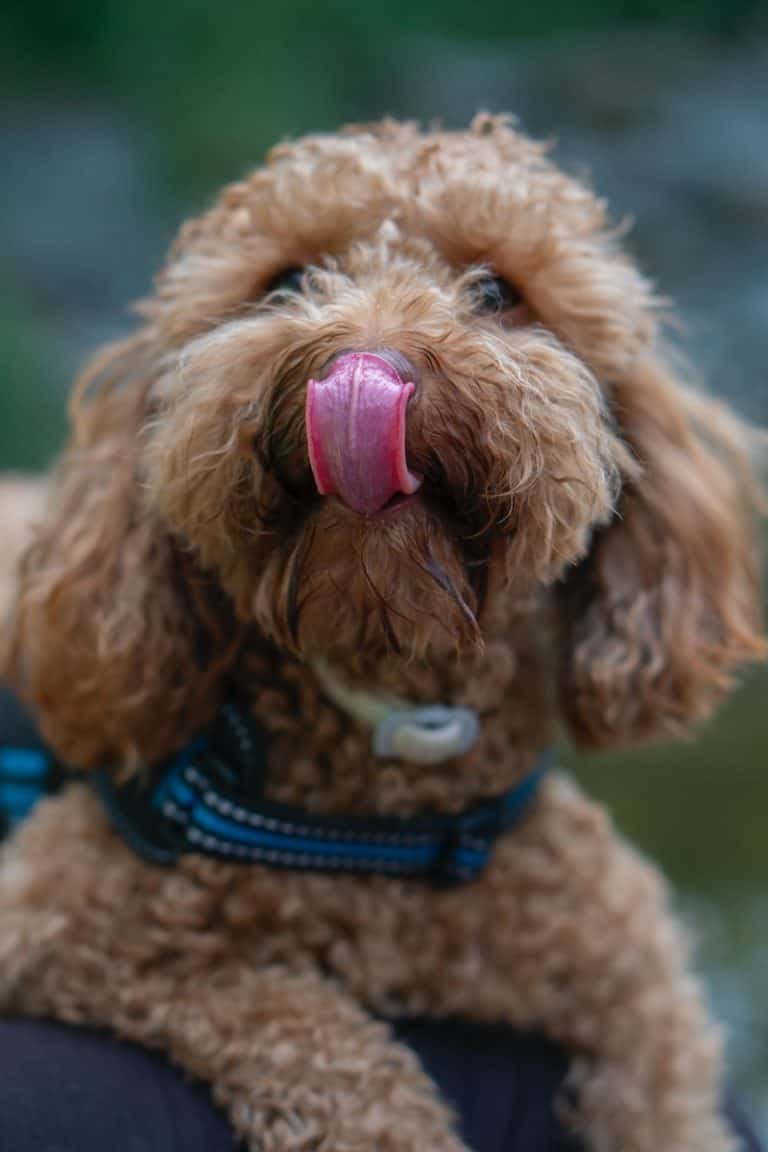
x: 209, y: 799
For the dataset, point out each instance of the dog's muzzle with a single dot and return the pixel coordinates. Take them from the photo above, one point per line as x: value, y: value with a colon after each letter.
x: 356, y: 425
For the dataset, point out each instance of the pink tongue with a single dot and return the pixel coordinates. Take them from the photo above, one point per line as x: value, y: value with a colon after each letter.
x: 356, y: 432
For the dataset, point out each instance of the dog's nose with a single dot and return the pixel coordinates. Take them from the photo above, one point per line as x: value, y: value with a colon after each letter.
x: 356, y: 417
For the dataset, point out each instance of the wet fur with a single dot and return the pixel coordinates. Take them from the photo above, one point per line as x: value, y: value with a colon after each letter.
x: 584, y: 550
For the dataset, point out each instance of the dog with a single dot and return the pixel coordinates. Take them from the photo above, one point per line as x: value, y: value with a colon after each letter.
x: 397, y: 461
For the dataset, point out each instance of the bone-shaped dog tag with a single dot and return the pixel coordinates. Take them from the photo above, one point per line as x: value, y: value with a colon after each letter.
x: 425, y: 735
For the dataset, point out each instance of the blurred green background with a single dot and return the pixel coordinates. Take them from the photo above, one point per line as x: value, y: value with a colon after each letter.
x: 117, y: 119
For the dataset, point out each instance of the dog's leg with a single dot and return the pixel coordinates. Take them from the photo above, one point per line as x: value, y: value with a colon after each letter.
x: 91, y: 935
x: 584, y: 948
x: 296, y: 1064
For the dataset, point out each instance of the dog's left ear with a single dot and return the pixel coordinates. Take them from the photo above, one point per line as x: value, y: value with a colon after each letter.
x: 667, y: 603
x: 116, y: 640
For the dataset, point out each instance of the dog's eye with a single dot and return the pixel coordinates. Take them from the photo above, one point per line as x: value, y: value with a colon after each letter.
x: 287, y: 280
x: 493, y: 295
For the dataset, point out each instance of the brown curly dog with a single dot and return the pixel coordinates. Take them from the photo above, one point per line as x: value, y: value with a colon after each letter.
x: 397, y: 422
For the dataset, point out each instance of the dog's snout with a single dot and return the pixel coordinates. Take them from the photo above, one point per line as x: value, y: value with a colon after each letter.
x: 356, y: 417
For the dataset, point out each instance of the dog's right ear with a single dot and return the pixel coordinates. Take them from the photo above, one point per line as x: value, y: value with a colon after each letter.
x: 116, y: 640
x: 667, y: 605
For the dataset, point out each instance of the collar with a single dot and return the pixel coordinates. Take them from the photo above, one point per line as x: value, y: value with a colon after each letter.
x: 209, y: 800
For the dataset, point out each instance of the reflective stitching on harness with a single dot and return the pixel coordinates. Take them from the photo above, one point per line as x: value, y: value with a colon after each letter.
x: 255, y: 819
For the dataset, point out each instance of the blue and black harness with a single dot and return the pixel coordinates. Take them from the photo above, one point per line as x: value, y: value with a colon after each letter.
x: 209, y: 799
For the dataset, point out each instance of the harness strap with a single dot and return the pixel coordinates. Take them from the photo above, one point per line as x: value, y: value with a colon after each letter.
x: 26, y: 776
x: 28, y: 771
x: 205, y: 803
x: 209, y: 799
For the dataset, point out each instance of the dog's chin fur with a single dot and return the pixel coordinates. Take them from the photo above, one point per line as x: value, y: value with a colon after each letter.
x: 397, y: 585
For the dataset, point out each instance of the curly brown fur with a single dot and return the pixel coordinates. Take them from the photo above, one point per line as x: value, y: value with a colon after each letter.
x: 582, y: 545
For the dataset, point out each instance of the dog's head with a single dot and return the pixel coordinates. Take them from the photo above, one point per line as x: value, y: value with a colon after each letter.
x: 392, y: 382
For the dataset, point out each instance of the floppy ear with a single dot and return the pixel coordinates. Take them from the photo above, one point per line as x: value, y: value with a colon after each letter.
x: 667, y: 603
x: 116, y: 640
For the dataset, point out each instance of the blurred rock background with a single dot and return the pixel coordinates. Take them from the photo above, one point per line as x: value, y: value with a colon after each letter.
x: 117, y: 119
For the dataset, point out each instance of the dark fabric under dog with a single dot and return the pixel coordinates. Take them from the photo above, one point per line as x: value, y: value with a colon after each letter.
x: 65, y: 1090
